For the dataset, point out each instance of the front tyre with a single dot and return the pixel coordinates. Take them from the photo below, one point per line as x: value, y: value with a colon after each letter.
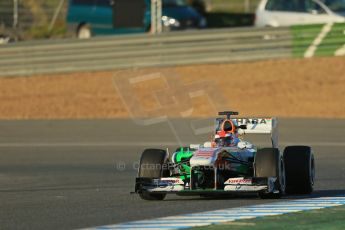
x: 153, y: 165
x: 300, y: 169
x: 269, y: 163
x: 150, y: 196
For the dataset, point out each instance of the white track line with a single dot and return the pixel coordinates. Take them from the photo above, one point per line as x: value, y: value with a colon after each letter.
x: 312, y: 48
x: 340, y: 51
x: 228, y: 215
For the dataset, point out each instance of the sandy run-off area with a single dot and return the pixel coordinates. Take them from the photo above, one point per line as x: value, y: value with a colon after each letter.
x: 284, y: 88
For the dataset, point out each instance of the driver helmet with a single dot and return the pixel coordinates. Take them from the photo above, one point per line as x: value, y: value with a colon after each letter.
x: 226, y: 135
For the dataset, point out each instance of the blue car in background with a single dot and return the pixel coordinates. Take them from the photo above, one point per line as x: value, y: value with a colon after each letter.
x: 87, y: 18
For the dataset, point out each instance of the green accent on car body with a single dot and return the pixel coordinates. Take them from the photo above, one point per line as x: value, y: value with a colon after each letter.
x: 184, y: 154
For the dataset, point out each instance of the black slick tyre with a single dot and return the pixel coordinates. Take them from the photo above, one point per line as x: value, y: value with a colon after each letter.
x: 152, y: 165
x: 300, y: 169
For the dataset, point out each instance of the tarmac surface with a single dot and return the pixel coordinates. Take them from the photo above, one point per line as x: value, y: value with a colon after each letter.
x: 77, y: 174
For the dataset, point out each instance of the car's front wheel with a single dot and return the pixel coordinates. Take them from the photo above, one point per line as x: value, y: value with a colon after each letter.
x: 152, y: 165
x: 300, y: 169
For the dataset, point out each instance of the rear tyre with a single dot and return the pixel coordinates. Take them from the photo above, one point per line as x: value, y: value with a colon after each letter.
x: 300, y: 169
x: 153, y: 165
x: 269, y: 163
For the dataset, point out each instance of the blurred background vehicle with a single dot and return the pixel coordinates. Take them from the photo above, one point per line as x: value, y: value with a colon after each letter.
x: 42, y: 19
x: 4, y: 39
x: 199, y: 5
x: 274, y: 13
x: 102, y: 17
x: 181, y: 15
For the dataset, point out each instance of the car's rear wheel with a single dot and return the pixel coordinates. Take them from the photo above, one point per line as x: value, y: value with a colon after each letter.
x: 153, y: 165
x: 269, y: 163
x: 300, y: 169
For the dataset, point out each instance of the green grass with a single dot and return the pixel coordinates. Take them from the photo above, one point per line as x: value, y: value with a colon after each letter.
x: 303, y: 37
x: 322, y: 219
x: 333, y: 41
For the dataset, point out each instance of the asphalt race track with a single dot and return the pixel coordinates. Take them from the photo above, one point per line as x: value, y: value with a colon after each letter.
x: 77, y: 174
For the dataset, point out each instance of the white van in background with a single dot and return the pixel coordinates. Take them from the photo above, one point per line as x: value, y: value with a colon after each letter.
x: 275, y: 13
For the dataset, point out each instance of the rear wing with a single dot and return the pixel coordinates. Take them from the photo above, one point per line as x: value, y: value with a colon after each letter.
x: 260, y: 126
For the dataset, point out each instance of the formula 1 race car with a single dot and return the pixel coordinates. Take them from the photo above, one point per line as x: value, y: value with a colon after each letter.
x: 228, y: 164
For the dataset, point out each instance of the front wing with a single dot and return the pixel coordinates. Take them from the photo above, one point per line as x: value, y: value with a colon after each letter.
x: 233, y: 185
